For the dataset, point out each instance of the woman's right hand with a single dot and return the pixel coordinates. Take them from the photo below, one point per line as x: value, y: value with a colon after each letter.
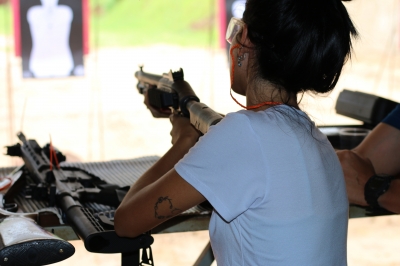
x: 158, y: 113
x: 183, y: 131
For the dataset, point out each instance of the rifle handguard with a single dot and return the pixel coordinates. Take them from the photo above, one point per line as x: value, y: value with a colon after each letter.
x: 95, y: 237
x: 202, y: 117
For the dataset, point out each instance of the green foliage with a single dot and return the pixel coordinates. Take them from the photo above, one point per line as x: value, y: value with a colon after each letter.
x: 5, y: 20
x: 142, y: 22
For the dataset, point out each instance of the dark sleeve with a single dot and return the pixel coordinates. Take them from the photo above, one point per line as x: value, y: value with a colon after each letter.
x: 393, y: 118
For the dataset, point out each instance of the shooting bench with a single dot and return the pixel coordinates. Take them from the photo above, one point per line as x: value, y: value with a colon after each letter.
x: 119, y: 172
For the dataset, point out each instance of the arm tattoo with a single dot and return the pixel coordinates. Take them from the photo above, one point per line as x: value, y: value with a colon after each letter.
x: 164, y: 209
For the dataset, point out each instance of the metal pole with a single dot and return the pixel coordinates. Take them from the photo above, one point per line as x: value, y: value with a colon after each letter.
x: 10, y: 96
x: 96, y: 96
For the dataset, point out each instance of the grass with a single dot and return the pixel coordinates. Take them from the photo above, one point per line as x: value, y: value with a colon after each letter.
x: 138, y: 22
x: 144, y: 22
x: 5, y: 20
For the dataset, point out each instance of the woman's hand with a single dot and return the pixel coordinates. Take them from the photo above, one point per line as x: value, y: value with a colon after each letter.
x: 357, y: 170
x: 158, y: 113
x: 183, y: 131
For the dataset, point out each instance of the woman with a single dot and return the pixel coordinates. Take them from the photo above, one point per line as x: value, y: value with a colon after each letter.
x: 272, y: 177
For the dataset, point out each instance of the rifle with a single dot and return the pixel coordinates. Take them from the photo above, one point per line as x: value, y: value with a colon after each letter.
x: 66, y: 187
x: 170, y: 90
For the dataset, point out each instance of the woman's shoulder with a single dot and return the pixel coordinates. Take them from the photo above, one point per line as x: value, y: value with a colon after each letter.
x: 237, y: 117
x: 264, y: 123
x: 245, y: 119
x: 282, y: 114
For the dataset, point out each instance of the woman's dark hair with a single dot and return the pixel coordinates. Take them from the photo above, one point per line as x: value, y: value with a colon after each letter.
x: 300, y: 44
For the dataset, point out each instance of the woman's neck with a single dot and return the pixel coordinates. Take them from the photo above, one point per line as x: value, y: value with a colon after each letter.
x: 265, y: 92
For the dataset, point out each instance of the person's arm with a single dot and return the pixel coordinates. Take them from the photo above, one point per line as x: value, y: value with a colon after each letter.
x: 357, y: 170
x: 379, y: 153
x: 391, y: 199
x: 160, y: 193
x: 382, y: 148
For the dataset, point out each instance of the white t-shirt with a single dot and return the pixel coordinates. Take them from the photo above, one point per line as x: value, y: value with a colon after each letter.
x: 277, y: 189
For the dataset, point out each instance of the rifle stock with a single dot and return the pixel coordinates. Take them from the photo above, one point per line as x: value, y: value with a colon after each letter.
x: 24, y: 242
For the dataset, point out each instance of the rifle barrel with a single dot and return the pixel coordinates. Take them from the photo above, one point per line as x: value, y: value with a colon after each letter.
x: 144, y: 77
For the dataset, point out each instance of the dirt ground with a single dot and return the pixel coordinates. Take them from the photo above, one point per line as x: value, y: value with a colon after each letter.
x: 101, y: 117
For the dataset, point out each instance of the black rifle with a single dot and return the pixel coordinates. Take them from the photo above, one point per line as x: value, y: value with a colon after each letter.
x: 171, y: 91
x: 67, y: 187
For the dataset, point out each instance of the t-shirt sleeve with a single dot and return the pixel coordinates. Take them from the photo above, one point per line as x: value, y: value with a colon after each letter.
x: 226, y: 167
x: 393, y: 118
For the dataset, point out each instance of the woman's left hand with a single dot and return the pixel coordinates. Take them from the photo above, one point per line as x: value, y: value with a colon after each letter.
x: 183, y: 130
